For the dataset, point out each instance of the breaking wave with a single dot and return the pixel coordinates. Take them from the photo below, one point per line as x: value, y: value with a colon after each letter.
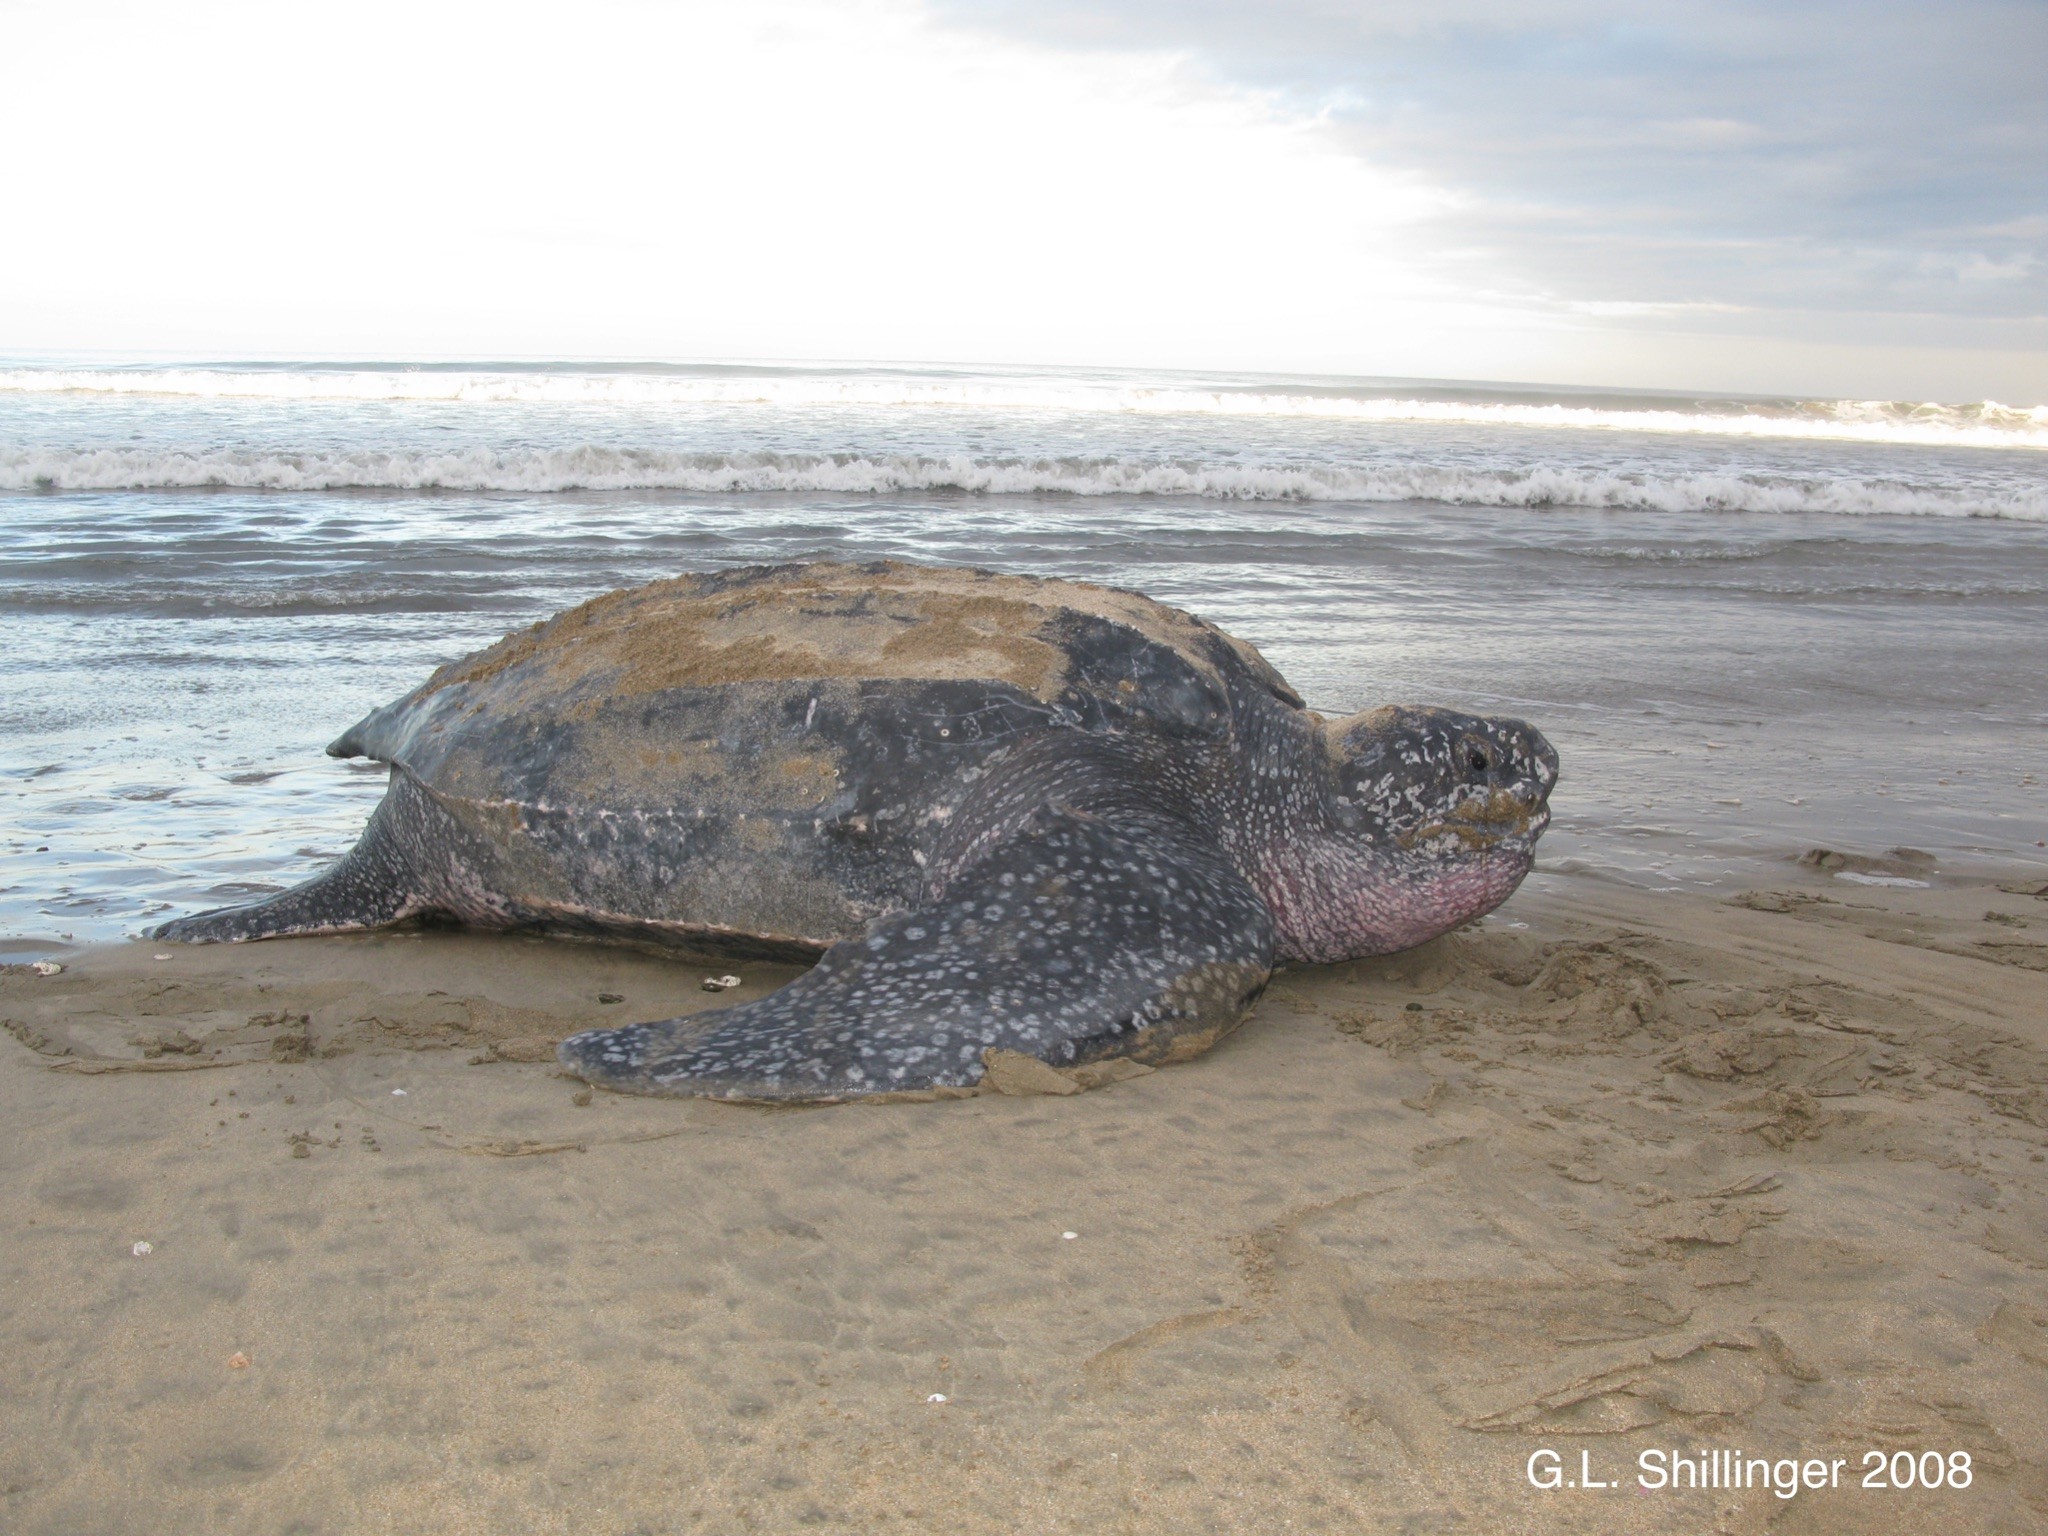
x: 595, y: 468
x: 1985, y: 424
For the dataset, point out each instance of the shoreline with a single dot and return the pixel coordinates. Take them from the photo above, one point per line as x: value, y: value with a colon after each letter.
x: 1611, y: 1170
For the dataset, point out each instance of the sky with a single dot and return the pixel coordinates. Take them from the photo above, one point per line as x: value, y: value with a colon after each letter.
x: 1805, y: 198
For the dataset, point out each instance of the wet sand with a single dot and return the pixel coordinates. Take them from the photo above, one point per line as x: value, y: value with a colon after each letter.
x: 1610, y: 1171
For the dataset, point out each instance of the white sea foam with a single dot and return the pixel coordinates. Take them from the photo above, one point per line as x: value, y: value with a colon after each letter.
x: 597, y: 468
x: 1982, y: 425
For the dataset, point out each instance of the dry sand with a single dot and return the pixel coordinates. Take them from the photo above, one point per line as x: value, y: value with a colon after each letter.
x: 1650, y: 1171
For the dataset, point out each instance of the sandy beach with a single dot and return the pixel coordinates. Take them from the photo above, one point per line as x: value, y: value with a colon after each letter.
x: 1606, y: 1172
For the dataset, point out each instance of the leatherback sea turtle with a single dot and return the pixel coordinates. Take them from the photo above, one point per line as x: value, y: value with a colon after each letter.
x: 1011, y: 815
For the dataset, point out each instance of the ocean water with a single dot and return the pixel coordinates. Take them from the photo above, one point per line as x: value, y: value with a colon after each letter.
x: 1749, y: 626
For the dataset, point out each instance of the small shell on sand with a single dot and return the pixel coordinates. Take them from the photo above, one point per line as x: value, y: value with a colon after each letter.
x: 720, y: 983
x: 45, y: 967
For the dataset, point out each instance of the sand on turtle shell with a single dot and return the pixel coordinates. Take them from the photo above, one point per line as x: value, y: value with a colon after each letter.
x: 824, y: 620
x: 1652, y: 1172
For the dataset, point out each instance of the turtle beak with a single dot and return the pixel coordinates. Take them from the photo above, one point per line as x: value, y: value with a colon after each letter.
x: 1531, y: 791
x: 1545, y: 756
x: 1520, y: 806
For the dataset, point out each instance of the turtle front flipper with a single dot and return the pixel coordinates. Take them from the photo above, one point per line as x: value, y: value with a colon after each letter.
x: 1076, y: 941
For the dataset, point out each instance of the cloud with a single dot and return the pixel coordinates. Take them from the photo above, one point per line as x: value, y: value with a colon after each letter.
x: 1837, y: 202
x: 1879, y: 158
x: 790, y: 178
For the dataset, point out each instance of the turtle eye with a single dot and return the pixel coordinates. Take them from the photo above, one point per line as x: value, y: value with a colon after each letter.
x: 1476, y: 760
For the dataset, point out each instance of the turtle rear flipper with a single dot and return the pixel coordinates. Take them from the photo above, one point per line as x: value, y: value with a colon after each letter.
x: 1074, y: 942
x: 375, y: 884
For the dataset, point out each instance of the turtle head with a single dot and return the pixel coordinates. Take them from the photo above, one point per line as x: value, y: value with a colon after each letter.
x: 1430, y: 818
